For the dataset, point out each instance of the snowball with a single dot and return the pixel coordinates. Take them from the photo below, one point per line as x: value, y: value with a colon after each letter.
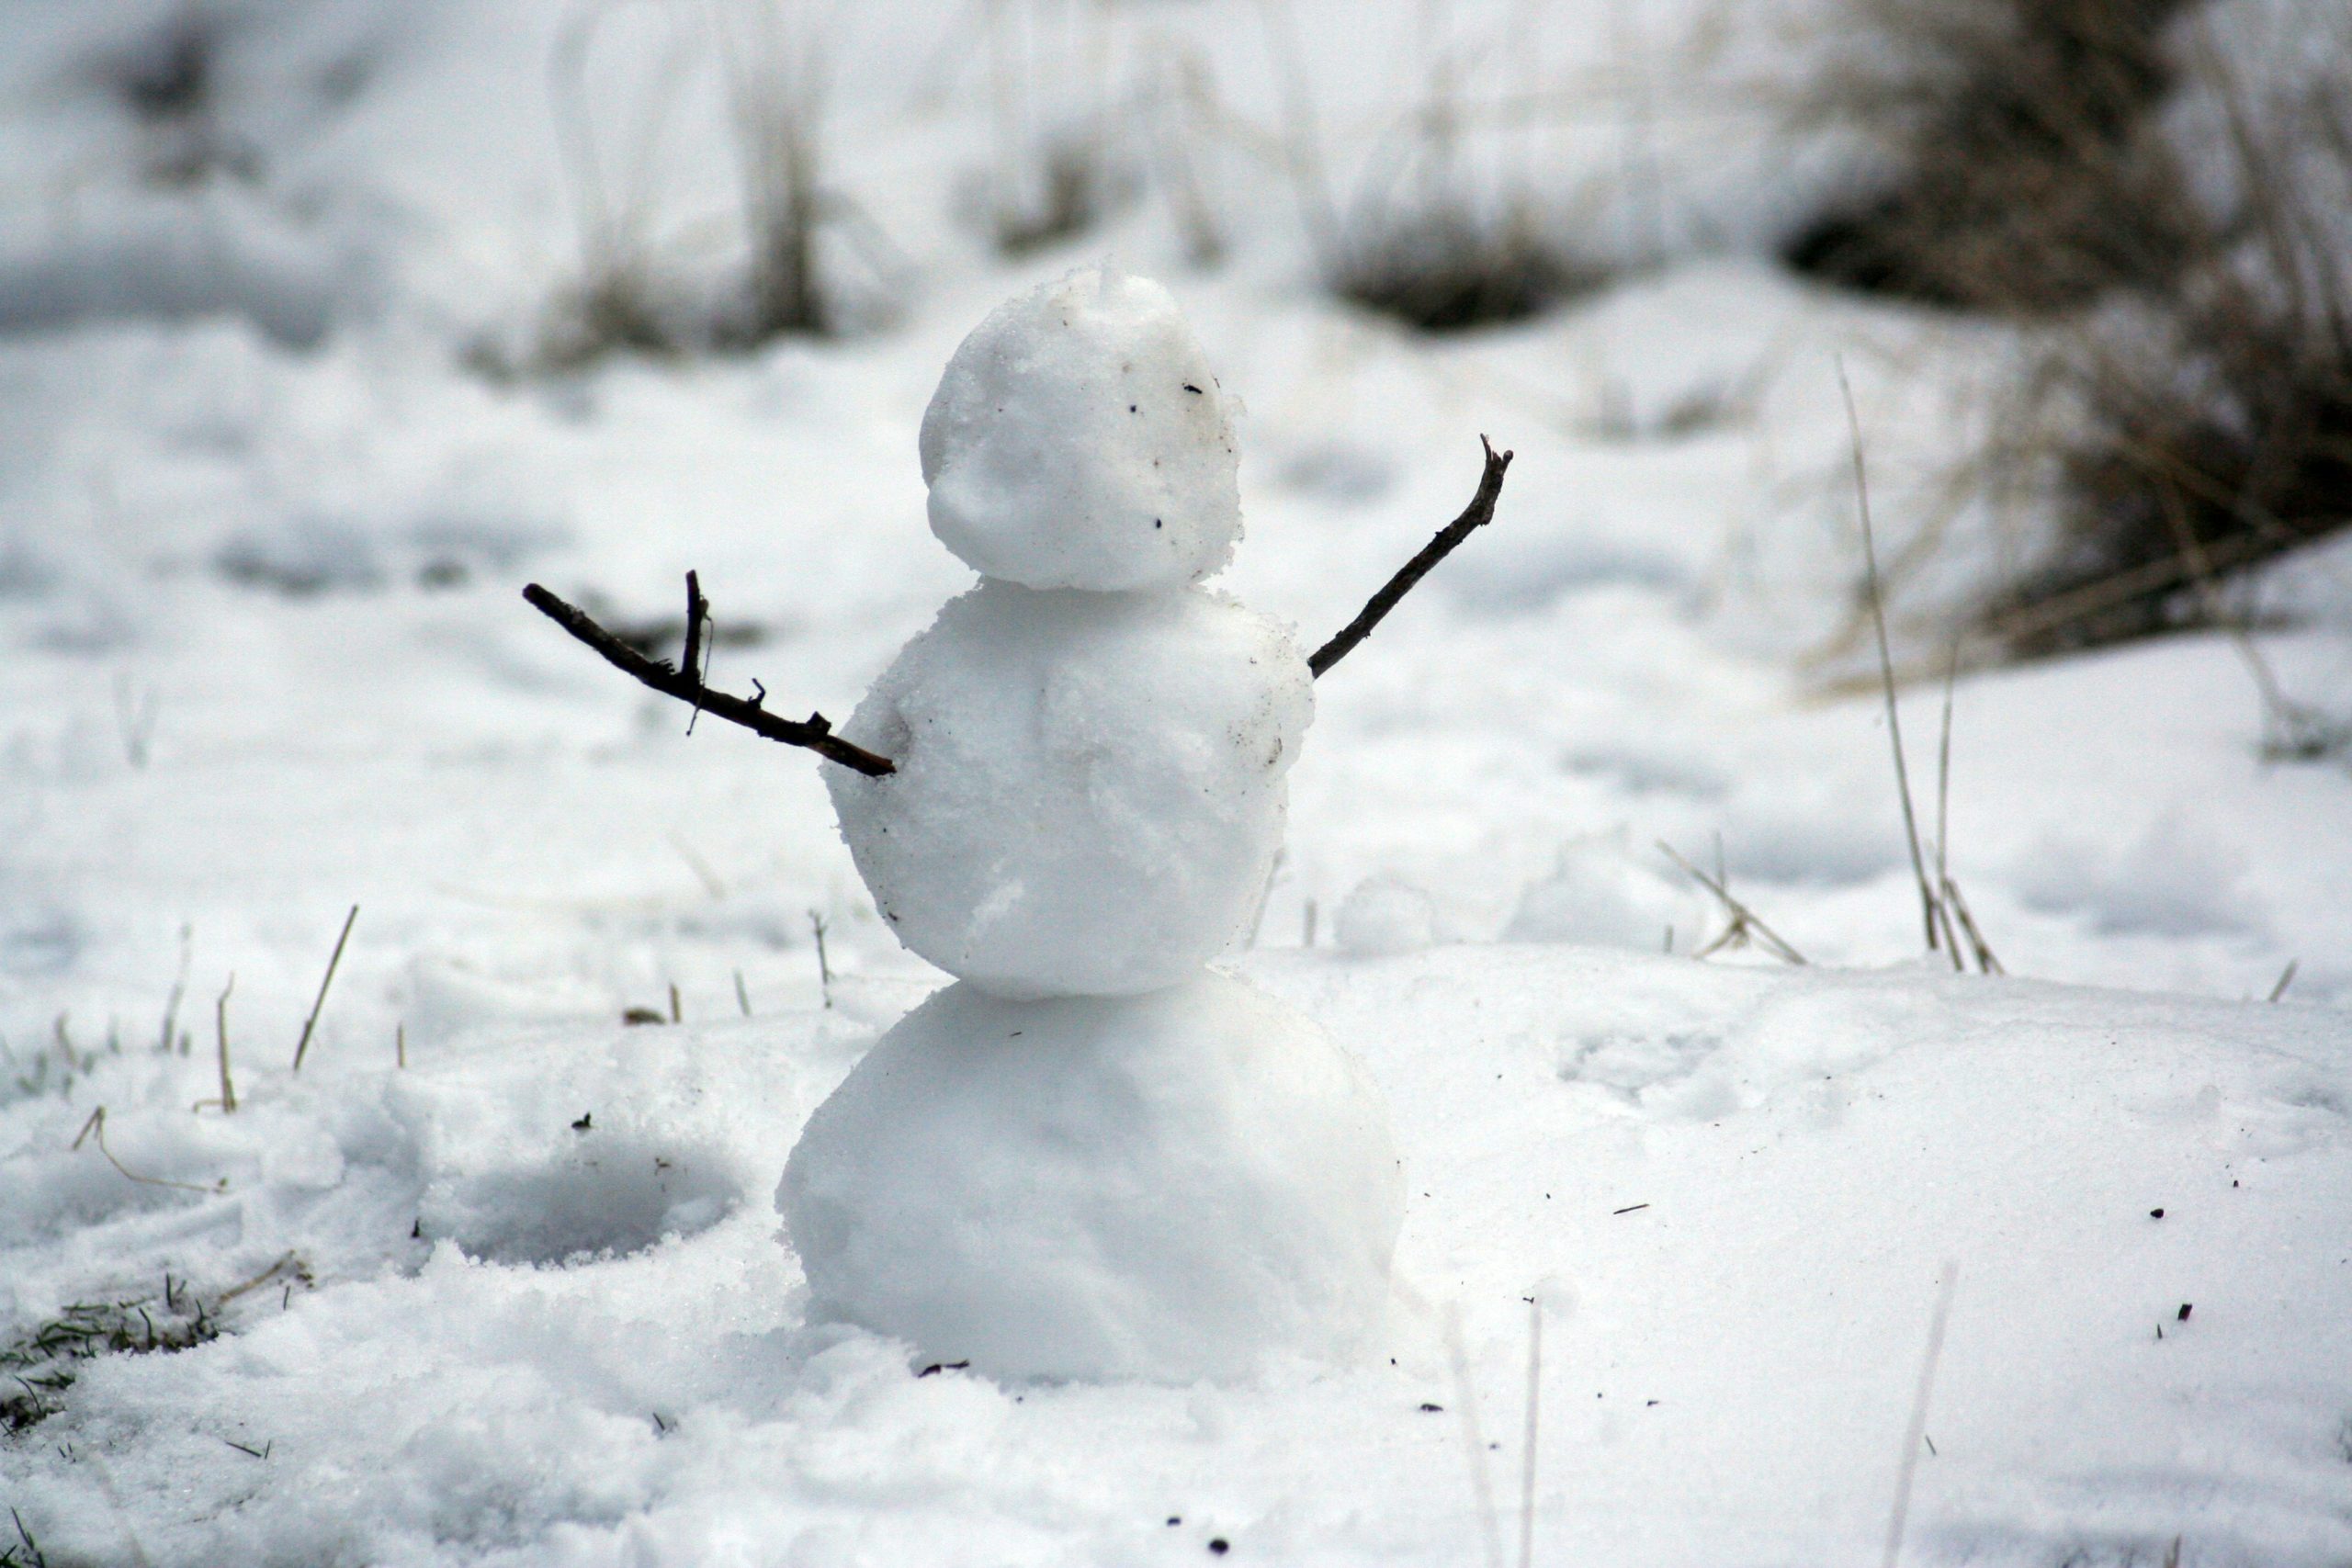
x: 1385, y: 915
x: 1090, y: 788
x: 1077, y: 440
x: 1166, y: 1187
x: 1601, y: 895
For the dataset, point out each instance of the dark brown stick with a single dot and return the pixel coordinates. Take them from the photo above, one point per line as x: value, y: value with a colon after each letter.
x: 1479, y: 512
x: 815, y: 732
x: 697, y: 608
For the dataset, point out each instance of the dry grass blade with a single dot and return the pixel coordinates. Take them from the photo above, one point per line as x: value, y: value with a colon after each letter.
x: 1916, y: 1430
x: 1465, y: 1402
x: 1745, y: 923
x: 1986, y: 963
x: 95, y: 1130
x: 824, y: 963
x: 1943, y: 813
x: 228, y: 1100
x: 1886, y: 663
x: 179, y: 990
x: 288, y: 1266
x: 1528, y: 1436
x: 303, y: 1045
x: 2286, y: 978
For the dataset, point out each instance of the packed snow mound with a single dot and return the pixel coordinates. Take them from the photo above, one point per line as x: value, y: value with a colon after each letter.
x: 1386, y: 915
x: 1090, y: 787
x: 1078, y: 440
x: 1163, y: 1187
x: 1601, y: 895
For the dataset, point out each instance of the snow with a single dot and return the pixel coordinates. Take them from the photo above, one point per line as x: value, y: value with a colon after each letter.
x: 1080, y: 440
x: 1090, y: 787
x: 522, y: 1300
x: 1168, y: 1187
x: 1807, y: 1150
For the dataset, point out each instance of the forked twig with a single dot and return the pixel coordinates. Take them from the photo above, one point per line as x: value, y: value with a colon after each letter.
x: 815, y: 732
x: 1479, y: 512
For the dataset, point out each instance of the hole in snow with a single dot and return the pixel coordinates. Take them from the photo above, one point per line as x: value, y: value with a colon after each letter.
x: 610, y: 1197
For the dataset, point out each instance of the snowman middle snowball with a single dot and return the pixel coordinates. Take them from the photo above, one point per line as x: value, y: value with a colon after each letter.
x: 1090, y: 749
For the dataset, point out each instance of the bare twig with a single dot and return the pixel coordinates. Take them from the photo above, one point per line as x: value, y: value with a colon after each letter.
x: 1917, y: 1431
x: 1480, y: 512
x: 815, y: 732
x: 1746, y: 922
x: 311, y: 1022
x: 1886, y: 664
x: 95, y: 1130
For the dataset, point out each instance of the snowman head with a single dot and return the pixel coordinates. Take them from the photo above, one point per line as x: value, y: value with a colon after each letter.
x: 1078, y: 440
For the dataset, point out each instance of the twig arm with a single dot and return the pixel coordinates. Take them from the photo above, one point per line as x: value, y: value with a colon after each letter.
x: 1477, y: 514
x: 815, y: 732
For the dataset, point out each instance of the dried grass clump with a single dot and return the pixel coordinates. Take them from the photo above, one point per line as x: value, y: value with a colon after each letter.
x: 2204, y: 428
x: 2164, y: 197
x: 807, y: 262
x: 1071, y: 191
x: 41, y: 1361
x: 1061, y: 123
x: 1443, y: 226
x: 167, y: 74
x: 1441, y: 268
x: 2019, y: 176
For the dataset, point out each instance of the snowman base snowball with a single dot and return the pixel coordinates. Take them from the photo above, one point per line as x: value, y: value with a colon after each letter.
x: 1164, y: 1187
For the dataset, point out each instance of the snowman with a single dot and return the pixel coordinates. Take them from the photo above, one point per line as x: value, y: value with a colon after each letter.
x: 1092, y: 1156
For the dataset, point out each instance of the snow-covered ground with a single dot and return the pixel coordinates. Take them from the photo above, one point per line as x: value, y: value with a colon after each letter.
x: 263, y: 523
